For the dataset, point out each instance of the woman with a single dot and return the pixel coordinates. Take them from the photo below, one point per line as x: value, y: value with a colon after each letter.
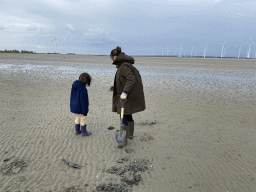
x: 127, y: 85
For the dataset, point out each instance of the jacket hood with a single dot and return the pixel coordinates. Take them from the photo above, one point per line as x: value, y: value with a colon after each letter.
x: 77, y: 85
x: 121, y: 58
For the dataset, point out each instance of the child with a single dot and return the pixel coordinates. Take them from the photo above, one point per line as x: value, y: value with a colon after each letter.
x: 79, y: 102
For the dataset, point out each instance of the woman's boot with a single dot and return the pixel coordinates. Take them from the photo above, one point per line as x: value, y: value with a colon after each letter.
x: 130, y: 129
x: 84, y: 131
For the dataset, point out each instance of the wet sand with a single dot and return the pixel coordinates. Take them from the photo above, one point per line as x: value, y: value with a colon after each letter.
x: 197, y: 133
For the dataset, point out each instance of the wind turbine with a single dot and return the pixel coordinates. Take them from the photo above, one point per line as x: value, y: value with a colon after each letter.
x: 205, y: 47
x: 84, y: 48
x: 167, y: 50
x: 222, y: 51
x: 153, y: 51
x: 56, y: 45
x: 162, y: 51
x: 240, y: 50
x: 175, y: 51
x: 54, y: 40
x: 192, y: 50
x: 185, y: 53
x: 52, y: 47
x: 180, y: 50
x: 248, y: 54
x: 88, y: 50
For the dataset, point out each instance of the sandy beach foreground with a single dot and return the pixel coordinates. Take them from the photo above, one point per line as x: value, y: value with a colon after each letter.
x: 196, y: 135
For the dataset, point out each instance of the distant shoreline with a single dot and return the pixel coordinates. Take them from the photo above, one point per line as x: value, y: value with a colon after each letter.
x: 162, y: 56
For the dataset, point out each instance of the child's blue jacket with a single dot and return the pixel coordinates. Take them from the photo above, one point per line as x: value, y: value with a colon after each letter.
x: 79, y: 100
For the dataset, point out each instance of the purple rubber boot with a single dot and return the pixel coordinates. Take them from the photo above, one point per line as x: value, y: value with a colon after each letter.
x: 84, y: 131
x: 78, y: 131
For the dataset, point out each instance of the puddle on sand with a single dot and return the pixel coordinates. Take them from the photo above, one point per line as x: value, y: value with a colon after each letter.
x: 104, y: 70
x: 166, y: 77
x: 67, y: 69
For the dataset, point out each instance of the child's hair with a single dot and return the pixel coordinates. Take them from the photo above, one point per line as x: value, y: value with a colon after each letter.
x: 115, y: 52
x: 85, y: 78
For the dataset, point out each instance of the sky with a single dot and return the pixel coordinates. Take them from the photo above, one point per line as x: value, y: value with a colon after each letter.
x: 140, y: 27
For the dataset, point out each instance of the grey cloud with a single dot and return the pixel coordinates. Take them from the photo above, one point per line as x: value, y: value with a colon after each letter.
x: 98, y: 36
x: 70, y: 27
x: 100, y: 24
x: 2, y: 27
x: 33, y: 28
x: 193, y: 2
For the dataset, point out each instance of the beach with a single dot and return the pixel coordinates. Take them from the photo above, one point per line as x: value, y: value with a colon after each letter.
x: 197, y: 133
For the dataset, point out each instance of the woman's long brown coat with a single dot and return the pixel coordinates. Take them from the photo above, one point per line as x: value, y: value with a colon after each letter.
x: 128, y: 80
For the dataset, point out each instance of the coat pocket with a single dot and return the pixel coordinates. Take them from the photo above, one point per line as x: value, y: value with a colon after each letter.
x: 121, y: 79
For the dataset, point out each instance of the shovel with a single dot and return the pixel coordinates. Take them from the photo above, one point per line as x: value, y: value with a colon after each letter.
x: 121, y: 134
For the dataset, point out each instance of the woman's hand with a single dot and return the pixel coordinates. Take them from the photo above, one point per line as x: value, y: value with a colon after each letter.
x: 122, y: 97
x: 111, y: 88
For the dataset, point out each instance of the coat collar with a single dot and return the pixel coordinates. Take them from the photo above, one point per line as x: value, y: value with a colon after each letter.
x: 121, y: 58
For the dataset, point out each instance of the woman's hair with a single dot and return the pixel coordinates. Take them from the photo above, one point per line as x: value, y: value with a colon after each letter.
x: 85, y: 78
x: 115, y: 52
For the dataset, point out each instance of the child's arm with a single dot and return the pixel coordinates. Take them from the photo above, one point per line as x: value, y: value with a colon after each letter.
x: 84, y: 100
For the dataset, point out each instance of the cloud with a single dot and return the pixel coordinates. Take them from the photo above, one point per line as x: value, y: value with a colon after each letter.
x: 70, y: 27
x: 98, y: 36
x: 58, y: 4
x: 194, y: 2
x: 101, y: 23
x: 2, y: 27
x: 33, y: 28
x: 41, y: 46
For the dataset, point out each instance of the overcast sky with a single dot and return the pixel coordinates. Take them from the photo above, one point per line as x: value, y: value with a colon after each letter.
x: 138, y: 26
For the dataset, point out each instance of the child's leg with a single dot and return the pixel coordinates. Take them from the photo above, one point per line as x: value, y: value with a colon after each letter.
x: 77, y: 124
x: 82, y: 120
x: 83, y: 126
x: 77, y: 120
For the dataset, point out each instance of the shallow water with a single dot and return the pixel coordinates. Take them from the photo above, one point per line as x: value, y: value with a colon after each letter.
x: 168, y: 75
x: 233, y: 76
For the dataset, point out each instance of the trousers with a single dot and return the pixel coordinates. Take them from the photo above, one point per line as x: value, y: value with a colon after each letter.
x: 126, y: 119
